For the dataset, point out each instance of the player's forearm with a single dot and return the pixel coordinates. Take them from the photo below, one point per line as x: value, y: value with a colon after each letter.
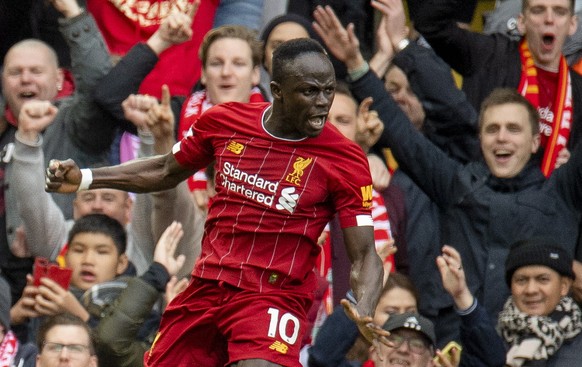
x: 142, y: 175
x: 366, y: 280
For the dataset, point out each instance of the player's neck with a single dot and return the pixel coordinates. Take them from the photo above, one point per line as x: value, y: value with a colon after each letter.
x: 274, y: 122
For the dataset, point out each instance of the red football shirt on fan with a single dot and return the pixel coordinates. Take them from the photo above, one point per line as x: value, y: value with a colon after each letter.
x: 124, y: 23
x: 273, y: 197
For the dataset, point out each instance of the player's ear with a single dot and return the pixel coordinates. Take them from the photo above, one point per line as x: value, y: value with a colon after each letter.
x: 275, y: 90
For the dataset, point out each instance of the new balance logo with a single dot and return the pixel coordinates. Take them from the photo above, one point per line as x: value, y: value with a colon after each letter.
x: 235, y: 147
x: 279, y: 347
x: 288, y: 199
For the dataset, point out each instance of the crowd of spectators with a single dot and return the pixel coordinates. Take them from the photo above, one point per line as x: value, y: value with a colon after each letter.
x: 476, y: 200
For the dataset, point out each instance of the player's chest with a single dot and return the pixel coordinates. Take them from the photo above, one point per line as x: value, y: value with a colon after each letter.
x: 280, y: 176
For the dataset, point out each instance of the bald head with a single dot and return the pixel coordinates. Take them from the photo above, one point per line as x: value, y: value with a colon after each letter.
x: 43, y: 48
x: 30, y: 72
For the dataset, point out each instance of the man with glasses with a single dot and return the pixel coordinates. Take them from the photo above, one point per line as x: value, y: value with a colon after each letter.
x: 65, y: 338
x: 410, y: 343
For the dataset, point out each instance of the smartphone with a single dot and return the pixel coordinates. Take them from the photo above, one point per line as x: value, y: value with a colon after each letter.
x: 448, y: 349
x: 43, y: 268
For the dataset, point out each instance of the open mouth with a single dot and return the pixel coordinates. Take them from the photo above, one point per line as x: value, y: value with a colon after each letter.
x: 317, y: 122
x: 88, y: 276
x: 502, y: 155
x: 27, y: 95
x: 548, y: 39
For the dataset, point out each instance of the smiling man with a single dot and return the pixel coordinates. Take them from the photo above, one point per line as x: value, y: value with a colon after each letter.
x: 485, y: 205
x: 534, y: 65
x: 281, y: 174
x: 508, y: 134
x: 540, y: 275
x: 411, y: 342
x: 540, y: 324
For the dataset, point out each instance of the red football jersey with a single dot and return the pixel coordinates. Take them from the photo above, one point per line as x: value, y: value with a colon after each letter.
x: 273, y: 196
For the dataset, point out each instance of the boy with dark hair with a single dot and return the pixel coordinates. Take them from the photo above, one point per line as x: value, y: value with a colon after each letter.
x: 96, y: 251
x: 99, y: 296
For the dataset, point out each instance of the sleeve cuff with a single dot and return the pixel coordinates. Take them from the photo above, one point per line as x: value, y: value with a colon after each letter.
x: 468, y: 310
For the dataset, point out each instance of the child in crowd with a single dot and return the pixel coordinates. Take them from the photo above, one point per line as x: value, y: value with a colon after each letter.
x: 98, y: 294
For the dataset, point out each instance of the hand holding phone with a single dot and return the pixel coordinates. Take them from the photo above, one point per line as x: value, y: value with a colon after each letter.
x: 447, y: 354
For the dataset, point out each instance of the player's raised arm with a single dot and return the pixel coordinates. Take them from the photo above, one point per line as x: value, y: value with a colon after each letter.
x: 141, y: 175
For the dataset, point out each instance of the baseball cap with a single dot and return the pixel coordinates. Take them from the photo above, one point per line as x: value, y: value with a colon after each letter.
x: 412, y: 321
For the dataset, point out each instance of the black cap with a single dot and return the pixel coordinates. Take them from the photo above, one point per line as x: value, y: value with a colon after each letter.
x: 538, y: 251
x: 412, y: 321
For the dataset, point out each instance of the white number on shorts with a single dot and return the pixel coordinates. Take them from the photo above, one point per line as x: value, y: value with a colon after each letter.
x: 283, y: 325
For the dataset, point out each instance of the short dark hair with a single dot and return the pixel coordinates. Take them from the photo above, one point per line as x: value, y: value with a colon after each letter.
x: 525, y: 4
x: 501, y: 96
x: 289, y: 51
x: 101, y: 223
x: 64, y: 319
x: 232, y: 31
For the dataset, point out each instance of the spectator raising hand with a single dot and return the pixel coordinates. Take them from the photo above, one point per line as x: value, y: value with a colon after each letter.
x: 34, y: 117
x: 166, y: 248
x: 136, y: 107
x: 146, y: 113
x: 451, y: 268
x: 341, y: 42
x: 369, y: 126
x: 390, y: 32
x: 160, y: 118
x: 69, y: 8
x: 381, y: 60
x: 395, y: 27
x: 176, y: 28
x: 174, y: 287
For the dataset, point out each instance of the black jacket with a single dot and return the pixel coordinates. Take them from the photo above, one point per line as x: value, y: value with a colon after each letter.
x: 481, y: 215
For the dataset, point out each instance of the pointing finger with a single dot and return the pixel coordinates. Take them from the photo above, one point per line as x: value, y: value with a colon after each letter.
x: 165, y: 95
x: 365, y: 106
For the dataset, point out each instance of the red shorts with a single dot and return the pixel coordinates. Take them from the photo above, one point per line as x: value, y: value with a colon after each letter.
x: 212, y: 323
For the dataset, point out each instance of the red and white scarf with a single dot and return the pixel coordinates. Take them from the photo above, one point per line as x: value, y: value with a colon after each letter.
x: 561, y: 108
x: 8, y: 349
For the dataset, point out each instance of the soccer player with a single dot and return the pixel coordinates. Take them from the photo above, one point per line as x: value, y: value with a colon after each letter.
x: 281, y: 174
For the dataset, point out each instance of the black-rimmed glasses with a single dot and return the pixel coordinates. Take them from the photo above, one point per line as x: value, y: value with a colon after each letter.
x: 416, y: 345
